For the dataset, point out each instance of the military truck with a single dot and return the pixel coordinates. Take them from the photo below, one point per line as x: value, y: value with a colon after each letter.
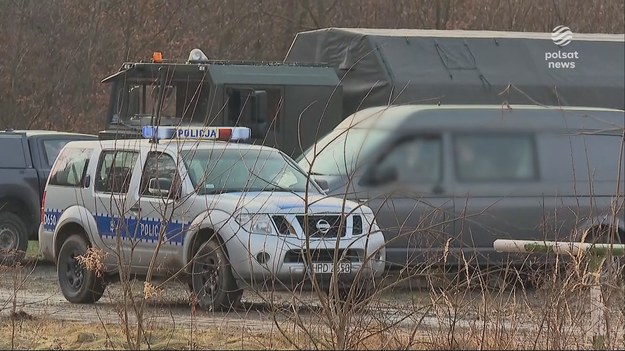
x: 331, y: 73
x: 286, y: 105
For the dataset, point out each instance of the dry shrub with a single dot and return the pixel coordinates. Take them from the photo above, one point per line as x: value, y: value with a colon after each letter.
x: 93, y: 260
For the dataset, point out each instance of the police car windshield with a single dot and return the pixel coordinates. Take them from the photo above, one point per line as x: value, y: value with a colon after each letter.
x: 218, y: 171
x: 341, y: 151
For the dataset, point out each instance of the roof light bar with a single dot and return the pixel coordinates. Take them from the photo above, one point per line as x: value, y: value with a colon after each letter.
x: 197, y: 133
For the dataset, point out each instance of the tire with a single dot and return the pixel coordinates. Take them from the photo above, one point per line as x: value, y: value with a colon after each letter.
x: 78, y: 284
x: 211, y: 277
x: 13, y: 238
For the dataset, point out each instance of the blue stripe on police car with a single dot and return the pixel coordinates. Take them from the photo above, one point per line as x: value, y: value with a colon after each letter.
x: 145, y: 230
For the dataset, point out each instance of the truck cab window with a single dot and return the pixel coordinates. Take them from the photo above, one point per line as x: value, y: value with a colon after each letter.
x: 186, y: 102
x: 257, y: 108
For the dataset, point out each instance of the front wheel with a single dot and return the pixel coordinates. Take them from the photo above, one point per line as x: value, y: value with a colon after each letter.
x: 78, y: 284
x: 212, y: 279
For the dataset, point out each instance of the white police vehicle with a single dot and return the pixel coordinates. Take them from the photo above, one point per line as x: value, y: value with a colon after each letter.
x: 221, y: 215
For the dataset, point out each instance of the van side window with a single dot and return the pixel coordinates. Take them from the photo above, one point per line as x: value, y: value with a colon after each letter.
x: 158, y: 165
x: 415, y: 159
x: 495, y: 157
x: 114, y: 171
x: 70, y: 168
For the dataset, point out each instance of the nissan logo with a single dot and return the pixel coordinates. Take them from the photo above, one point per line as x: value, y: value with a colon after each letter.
x: 323, y: 226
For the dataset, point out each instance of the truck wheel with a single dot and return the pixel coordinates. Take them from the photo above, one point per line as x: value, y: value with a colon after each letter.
x: 78, y: 284
x: 13, y: 238
x: 212, y: 279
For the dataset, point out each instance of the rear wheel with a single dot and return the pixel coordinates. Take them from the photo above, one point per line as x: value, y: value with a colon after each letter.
x: 13, y: 238
x: 213, y: 282
x: 78, y: 284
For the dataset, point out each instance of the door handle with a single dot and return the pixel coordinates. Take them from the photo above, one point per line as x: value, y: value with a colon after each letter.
x: 135, y: 208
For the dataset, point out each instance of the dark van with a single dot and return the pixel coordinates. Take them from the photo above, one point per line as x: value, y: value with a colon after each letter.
x: 446, y: 181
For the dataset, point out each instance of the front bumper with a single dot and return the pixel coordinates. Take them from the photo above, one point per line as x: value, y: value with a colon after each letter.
x: 290, y: 260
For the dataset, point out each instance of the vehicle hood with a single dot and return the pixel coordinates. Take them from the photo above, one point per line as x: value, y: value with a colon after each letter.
x: 282, y: 202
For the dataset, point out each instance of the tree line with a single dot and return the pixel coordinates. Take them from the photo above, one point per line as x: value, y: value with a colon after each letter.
x: 56, y: 52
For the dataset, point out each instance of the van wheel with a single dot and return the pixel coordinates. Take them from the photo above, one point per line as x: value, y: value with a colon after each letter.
x: 212, y: 279
x: 13, y: 238
x: 78, y: 284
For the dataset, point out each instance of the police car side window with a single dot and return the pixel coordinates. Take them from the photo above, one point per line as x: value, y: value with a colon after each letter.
x: 70, y: 168
x: 161, y: 166
x: 114, y: 171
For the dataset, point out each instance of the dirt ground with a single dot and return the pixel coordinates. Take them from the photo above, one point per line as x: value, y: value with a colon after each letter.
x: 30, y: 296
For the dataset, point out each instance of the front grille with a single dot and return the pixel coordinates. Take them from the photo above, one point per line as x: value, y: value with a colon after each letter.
x: 312, y: 224
x: 320, y: 255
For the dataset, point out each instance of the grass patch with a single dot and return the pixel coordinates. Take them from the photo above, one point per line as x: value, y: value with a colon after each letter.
x: 32, y: 252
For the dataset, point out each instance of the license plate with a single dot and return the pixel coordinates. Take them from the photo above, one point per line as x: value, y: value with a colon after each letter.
x: 343, y: 267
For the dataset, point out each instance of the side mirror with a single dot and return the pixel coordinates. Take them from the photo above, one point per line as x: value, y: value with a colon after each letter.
x: 163, y: 187
x: 380, y: 176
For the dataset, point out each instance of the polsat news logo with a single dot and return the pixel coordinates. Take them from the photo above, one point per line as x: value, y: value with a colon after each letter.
x: 561, y: 37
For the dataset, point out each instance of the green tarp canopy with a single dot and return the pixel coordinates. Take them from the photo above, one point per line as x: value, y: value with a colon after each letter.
x: 397, y: 66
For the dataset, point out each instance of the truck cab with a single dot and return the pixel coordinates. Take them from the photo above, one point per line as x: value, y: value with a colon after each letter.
x: 287, y: 106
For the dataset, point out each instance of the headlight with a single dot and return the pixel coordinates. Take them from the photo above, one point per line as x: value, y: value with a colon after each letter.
x: 256, y: 223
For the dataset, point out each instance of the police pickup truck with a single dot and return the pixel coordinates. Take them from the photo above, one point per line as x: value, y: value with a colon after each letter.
x: 195, y: 204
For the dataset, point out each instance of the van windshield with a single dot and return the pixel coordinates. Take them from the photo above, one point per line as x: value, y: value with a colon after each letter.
x: 342, y: 150
x: 214, y: 171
